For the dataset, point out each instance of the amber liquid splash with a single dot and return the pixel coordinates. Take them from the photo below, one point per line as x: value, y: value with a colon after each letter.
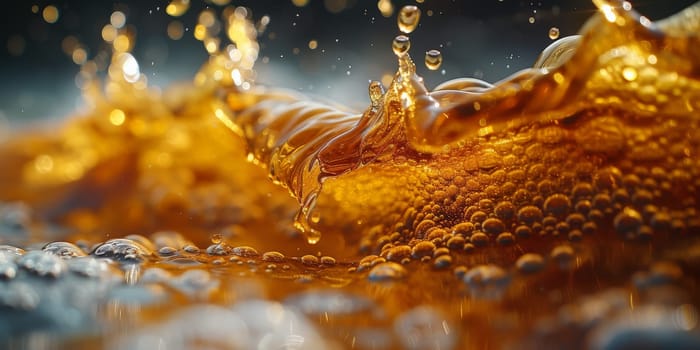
x: 556, y: 208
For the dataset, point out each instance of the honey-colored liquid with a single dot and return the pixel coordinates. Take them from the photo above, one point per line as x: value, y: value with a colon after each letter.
x: 556, y: 208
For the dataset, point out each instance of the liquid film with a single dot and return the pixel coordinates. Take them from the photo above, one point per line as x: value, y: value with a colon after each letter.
x: 556, y: 208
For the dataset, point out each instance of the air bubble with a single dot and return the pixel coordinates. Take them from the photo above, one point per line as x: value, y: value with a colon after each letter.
x: 309, y: 260
x: 64, y: 250
x: 422, y: 249
x: 388, y: 271
x: 245, y: 251
x: 122, y: 250
x: 530, y: 263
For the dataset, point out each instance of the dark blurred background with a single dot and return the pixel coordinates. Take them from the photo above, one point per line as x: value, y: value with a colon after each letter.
x: 487, y: 39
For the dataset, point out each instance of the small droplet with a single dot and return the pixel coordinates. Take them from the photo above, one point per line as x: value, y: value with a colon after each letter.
x: 530, y: 263
x: 167, y: 251
x: 398, y: 253
x: 554, y: 33
x: 309, y: 260
x: 273, y: 256
x: 328, y: 260
x: 408, y: 19
x: 64, y: 250
x: 401, y: 45
x: 216, y: 238
x: 493, y: 226
x: 563, y: 255
x: 422, y: 249
x: 122, y: 250
x: 388, y: 271
x: 487, y: 281
x: 627, y: 222
x: 245, y: 251
x: 529, y: 215
x: 433, y: 59
x: 557, y: 205
x: 442, y: 262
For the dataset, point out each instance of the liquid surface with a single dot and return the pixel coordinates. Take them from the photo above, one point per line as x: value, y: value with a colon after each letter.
x: 556, y: 208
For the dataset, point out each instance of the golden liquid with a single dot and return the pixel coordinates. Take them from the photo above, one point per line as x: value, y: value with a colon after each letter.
x: 518, y: 214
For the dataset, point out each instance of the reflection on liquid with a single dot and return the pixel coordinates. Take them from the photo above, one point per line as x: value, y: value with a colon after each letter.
x: 553, y: 207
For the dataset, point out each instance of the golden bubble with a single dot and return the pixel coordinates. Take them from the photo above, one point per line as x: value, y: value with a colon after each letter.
x: 117, y: 19
x: 211, y: 45
x: 629, y: 73
x: 385, y: 7
x: 35, y: 8
x: 554, y: 33
x: 50, y: 14
x: 207, y: 18
x: 117, y: 117
x: 401, y: 45
x: 175, y: 30
x: 408, y: 19
x: 300, y: 3
x: 313, y: 44
x: 531, y: 20
x: 433, y: 59
x: 177, y: 8
x: 43, y: 164
x: 109, y: 33
x: 122, y: 43
x: 79, y: 56
x: 200, y: 32
x: 652, y: 59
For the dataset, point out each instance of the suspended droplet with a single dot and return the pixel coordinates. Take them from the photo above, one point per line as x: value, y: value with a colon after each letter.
x: 401, y: 45
x: 554, y: 33
x: 408, y: 18
x: 433, y: 59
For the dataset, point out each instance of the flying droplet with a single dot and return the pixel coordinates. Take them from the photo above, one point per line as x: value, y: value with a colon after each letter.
x: 401, y: 45
x: 554, y: 33
x: 433, y: 59
x: 408, y: 18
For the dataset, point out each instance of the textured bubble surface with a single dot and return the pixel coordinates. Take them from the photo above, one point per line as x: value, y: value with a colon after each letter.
x: 558, y: 207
